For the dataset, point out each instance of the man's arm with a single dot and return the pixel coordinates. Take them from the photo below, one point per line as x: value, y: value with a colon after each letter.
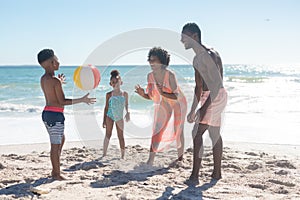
x: 212, y: 77
x: 196, y: 98
x: 197, y: 91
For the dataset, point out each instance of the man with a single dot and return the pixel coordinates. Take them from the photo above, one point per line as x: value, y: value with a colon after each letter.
x: 52, y: 115
x: 210, y: 91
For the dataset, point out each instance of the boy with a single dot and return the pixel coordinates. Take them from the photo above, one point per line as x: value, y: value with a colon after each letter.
x: 52, y: 115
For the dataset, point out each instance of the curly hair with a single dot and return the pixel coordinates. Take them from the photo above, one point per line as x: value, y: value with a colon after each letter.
x: 161, y: 54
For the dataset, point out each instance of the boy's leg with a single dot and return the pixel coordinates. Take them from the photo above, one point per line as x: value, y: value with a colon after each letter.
x: 198, y: 131
x: 61, y: 145
x: 217, y: 143
x: 109, y: 127
x: 120, y: 128
x: 55, y: 161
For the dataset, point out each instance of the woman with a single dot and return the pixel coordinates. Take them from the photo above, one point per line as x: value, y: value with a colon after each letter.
x: 162, y: 88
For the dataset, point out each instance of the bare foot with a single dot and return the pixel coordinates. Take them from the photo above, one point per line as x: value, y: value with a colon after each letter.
x: 59, y: 178
x: 150, y: 162
x: 216, y: 175
x: 122, y: 154
x: 192, y: 181
x: 180, y: 158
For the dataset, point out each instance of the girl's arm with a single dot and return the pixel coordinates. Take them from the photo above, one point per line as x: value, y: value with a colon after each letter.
x: 105, y: 109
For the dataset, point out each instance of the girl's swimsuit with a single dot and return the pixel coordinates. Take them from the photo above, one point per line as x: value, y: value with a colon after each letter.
x: 116, y: 106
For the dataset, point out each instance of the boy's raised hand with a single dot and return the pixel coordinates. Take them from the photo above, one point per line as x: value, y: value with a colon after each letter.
x: 88, y: 100
x: 62, y: 78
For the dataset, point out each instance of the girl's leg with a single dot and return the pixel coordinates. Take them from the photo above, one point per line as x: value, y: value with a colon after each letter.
x: 109, y: 127
x: 120, y: 128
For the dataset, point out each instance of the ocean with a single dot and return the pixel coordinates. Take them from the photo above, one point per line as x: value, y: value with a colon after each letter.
x: 263, y: 104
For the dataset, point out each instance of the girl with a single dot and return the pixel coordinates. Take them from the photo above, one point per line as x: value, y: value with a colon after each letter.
x: 116, y: 100
x: 162, y: 88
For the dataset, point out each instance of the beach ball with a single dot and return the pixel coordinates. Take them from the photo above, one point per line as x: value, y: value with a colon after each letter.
x: 86, y: 77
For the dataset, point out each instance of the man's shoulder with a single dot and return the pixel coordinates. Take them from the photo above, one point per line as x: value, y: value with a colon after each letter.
x: 198, y: 59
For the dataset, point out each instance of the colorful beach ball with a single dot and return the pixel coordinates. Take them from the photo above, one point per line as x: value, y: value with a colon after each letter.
x: 86, y: 77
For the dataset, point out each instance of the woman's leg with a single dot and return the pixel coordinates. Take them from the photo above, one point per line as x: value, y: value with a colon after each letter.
x: 161, y: 118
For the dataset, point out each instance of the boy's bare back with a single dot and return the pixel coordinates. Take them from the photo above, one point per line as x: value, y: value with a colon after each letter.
x: 51, y: 86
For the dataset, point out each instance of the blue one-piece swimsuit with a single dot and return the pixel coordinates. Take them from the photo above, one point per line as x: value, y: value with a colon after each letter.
x: 116, y: 106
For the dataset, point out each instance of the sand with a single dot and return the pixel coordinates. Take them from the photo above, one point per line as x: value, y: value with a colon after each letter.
x: 250, y: 171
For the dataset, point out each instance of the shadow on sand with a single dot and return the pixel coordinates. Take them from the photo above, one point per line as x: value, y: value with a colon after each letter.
x: 20, y: 190
x: 191, y: 192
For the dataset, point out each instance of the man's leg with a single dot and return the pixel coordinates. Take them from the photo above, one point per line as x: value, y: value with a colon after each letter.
x: 198, y: 131
x: 217, y: 142
x: 180, y: 150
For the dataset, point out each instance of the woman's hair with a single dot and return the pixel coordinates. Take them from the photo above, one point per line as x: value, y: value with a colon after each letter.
x: 161, y: 54
x: 114, y: 74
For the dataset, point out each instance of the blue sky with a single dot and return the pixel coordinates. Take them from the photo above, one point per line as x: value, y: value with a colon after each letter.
x: 246, y: 32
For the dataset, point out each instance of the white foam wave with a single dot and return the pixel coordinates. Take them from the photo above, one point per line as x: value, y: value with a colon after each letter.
x: 9, y: 107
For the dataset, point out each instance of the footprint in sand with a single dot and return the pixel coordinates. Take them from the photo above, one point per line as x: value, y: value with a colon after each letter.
x: 288, y: 184
x: 281, y: 190
x: 251, y: 154
x: 232, y: 166
x: 282, y: 172
x: 254, y: 166
x: 258, y: 186
x: 281, y: 163
x: 1, y: 166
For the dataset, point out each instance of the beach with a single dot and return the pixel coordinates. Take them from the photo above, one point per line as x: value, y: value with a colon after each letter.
x: 261, y: 146
x: 249, y: 171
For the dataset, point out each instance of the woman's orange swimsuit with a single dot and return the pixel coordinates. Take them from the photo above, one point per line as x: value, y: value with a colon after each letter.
x: 164, y: 133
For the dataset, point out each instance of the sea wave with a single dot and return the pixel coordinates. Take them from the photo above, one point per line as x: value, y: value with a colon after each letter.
x: 9, y: 107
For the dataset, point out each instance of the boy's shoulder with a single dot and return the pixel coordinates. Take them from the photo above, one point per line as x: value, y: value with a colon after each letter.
x: 50, y: 79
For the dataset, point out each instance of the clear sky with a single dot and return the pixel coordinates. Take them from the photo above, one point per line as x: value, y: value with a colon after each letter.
x: 244, y: 32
